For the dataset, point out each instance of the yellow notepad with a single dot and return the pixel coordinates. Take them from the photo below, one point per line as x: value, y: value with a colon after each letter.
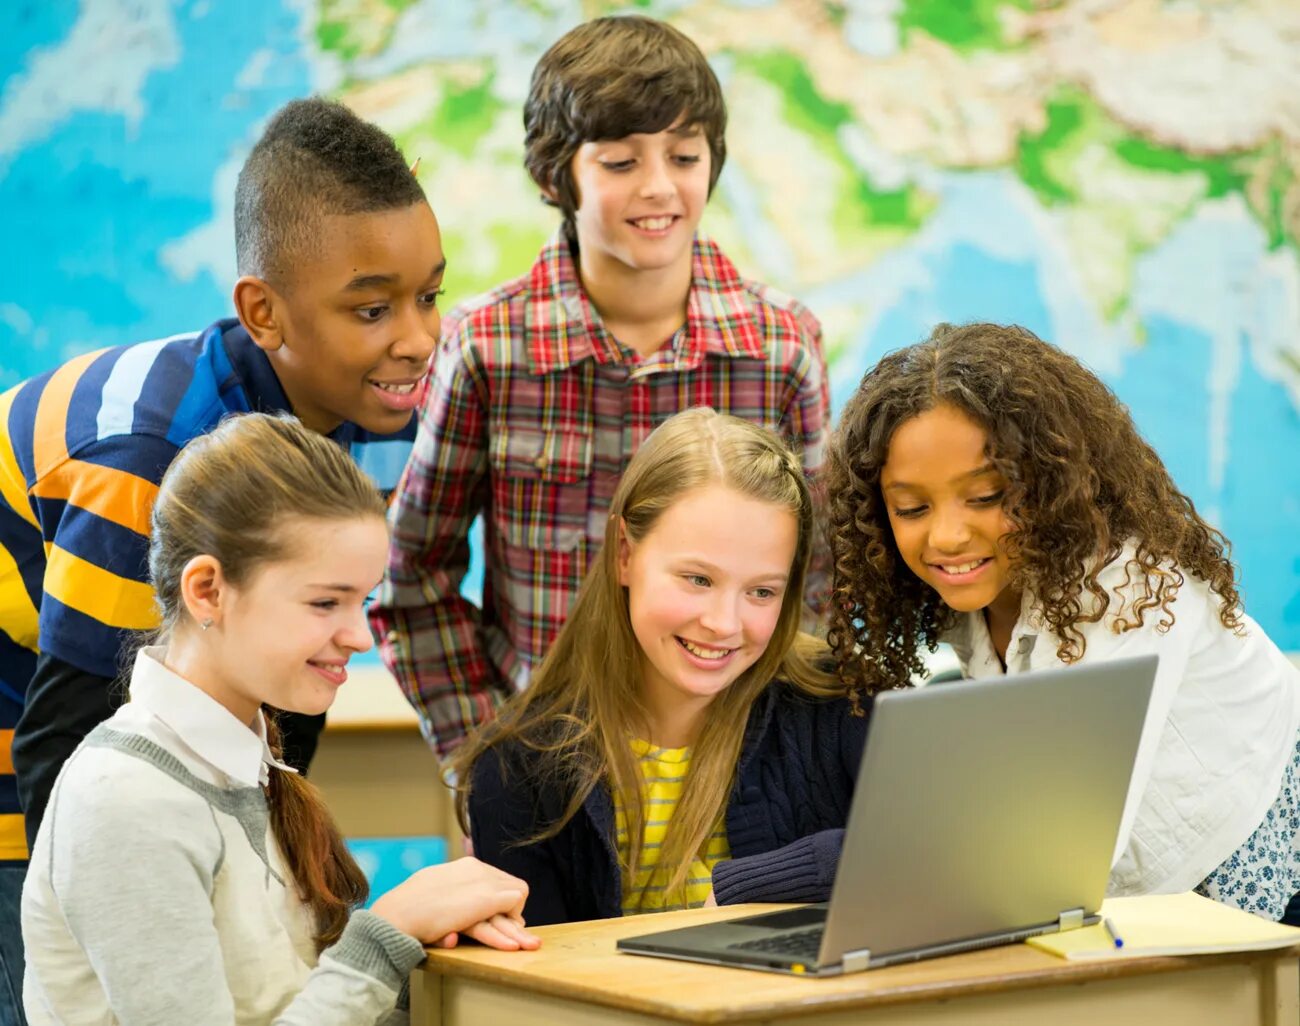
x: 1168, y: 924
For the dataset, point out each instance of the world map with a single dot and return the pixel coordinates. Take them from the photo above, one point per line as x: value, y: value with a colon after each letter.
x: 1120, y: 176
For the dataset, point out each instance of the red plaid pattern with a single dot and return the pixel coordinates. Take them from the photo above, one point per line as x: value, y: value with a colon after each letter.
x: 532, y: 414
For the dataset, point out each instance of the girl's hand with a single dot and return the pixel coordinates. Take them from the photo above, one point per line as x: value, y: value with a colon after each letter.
x: 501, y: 931
x: 462, y: 896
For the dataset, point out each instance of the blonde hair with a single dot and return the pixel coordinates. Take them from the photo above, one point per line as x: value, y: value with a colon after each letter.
x: 232, y: 494
x: 582, y: 705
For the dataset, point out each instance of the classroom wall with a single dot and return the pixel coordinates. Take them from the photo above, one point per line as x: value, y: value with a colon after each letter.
x: 1123, y: 178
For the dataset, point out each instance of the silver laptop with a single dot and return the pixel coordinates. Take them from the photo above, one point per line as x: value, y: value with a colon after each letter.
x: 986, y: 811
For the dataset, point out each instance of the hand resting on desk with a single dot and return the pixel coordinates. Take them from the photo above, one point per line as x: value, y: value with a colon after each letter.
x: 439, y: 903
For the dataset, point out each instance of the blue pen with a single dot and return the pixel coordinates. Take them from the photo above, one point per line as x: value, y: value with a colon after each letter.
x: 1109, y: 927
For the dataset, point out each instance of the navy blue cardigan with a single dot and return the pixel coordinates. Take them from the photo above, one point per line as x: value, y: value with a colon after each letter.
x: 785, y: 816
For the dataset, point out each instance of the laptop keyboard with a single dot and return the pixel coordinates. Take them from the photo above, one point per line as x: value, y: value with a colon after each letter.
x: 797, y: 944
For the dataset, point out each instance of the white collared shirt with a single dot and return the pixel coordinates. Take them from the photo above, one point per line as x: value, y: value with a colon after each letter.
x: 206, y: 736
x: 1220, y: 729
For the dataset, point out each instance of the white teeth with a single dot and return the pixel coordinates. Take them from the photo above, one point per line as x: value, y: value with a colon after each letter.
x: 396, y: 389
x: 653, y: 224
x: 961, y: 568
x: 704, y: 653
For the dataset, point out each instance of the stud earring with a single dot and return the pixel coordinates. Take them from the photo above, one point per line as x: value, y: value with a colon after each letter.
x: 206, y: 623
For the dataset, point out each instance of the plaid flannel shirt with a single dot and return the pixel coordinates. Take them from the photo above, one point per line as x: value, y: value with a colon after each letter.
x: 532, y: 413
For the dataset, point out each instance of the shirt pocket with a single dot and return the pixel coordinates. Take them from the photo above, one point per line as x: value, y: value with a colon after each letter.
x: 541, y: 484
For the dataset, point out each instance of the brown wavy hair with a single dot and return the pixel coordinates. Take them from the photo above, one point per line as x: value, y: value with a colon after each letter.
x: 231, y: 494
x: 612, y: 77
x: 582, y: 705
x: 1081, y: 483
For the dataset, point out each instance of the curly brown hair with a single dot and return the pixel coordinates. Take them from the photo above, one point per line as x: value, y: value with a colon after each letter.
x: 1081, y: 483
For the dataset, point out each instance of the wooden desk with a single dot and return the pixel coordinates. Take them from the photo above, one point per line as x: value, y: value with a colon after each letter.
x: 578, y: 978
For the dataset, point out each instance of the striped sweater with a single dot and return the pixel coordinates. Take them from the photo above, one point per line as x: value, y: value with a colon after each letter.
x: 82, y: 451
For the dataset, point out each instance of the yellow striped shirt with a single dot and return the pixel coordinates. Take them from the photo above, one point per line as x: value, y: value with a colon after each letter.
x: 664, y: 771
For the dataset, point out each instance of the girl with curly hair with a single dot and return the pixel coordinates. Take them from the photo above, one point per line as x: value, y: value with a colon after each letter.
x: 987, y: 490
x: 680, y: 735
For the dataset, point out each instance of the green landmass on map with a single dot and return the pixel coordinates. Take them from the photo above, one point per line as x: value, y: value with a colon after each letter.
x: 964, y: 25
x: 357, y: 28
x: 863, y: 206
x: 1048, y: 163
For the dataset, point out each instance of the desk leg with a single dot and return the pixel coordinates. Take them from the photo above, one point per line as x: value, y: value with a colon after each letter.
x: 426, y: 998
x: 1280, y: 993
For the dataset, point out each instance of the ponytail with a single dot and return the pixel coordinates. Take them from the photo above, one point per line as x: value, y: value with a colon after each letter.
x: 327, y: 876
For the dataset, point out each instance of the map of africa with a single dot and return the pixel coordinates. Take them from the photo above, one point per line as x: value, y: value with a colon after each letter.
x: 1121, y: 176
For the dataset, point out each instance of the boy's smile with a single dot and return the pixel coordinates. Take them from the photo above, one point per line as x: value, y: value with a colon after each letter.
x: 399, y: 394
x: 655, y: 226
x: 357, y: 324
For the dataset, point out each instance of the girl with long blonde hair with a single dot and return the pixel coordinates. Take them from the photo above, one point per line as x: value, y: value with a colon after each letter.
x: 678, y: 736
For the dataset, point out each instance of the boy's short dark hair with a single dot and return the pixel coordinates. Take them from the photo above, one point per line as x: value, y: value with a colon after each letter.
x: 315, y: 158
x: 612, y: 77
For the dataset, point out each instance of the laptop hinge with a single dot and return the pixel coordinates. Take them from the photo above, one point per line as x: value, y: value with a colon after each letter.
x: 1070, y: 919
x: 856, y: 961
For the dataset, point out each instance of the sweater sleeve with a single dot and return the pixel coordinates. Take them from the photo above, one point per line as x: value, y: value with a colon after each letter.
x: 830, y: 756
x: 358, y: 978
x: 801, y: 871
x: 133, y: 872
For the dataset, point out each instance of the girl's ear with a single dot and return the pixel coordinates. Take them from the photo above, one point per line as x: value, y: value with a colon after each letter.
x: 204, y: 590
x: 624, y: 552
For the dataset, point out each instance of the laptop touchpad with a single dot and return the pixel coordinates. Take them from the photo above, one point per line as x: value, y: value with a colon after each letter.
x: 786, y: 919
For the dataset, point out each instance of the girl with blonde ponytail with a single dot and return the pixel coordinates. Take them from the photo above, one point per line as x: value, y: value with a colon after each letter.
x: 183, y: 872
x: 678, y: 738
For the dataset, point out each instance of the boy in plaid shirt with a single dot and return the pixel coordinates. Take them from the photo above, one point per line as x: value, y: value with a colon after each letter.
x: 544, y: 387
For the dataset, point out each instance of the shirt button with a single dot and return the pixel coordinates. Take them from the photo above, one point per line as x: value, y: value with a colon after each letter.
x: 540, y: 463
x: 391, y: 637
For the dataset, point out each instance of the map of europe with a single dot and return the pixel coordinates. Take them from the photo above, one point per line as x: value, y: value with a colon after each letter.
x: 1120, y: 176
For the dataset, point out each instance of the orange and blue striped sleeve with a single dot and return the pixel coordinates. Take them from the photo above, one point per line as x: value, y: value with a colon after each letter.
x: 75, y: 499
x: 91, y: 491
x: 21, y: 563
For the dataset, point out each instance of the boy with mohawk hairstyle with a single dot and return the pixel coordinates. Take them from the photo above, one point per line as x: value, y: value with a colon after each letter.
x: 340, y: 262
x: 544, y: 387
